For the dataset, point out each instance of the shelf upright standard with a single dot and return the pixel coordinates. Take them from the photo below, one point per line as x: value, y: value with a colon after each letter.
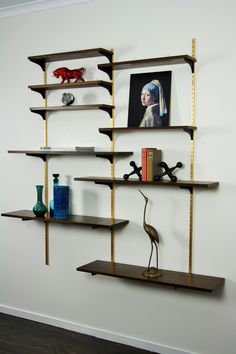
x: 192, y: 162
x: 112, y: 169
x: 46, y: 225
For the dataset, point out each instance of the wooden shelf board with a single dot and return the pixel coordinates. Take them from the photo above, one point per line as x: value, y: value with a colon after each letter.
x: 84, y: 220
x: 43, y: 110
x: 131, y: 64
x: 79, y: 54
x: 163, y: 183
x: 71, y: 152
x: 186, y: 128
x: 70, y: 108
x: 170, y: 278
x: 47, y: 87
x: 128, y: 129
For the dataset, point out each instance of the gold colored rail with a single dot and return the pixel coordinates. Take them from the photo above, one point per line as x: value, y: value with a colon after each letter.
x: 112, y: 171
x: 192, y: 161
x: 46, y: 225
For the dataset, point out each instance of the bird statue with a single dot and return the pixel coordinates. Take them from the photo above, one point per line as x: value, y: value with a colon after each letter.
x: 151, y: 272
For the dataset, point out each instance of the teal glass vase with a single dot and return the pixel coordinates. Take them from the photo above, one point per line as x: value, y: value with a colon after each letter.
x: 39, y: 208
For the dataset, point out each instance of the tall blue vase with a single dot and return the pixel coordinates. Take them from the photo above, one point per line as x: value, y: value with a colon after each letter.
x: 61, y: 202
x: 39, y: 208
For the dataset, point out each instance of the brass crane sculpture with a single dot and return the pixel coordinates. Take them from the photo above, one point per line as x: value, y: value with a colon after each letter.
x: 151, y: 272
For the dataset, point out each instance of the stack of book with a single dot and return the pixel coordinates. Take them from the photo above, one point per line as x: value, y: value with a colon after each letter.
x: 151, y: 158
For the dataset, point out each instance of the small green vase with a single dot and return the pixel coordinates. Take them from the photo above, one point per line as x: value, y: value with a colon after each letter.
x: 39, y: 208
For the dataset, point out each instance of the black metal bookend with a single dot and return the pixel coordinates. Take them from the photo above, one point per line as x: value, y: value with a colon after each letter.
x: 136, y: 170
x: 168, y: 171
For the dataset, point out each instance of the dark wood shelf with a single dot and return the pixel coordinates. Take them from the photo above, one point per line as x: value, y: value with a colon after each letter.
x: 132, y: 64
x: 94, y: 222
x: 79, y: 54
x: 164, y: 183
x: 186, y: 128
x: 48, y: 87
x: 43, y: 154
x: 43, y: 110
x: 170, y: 278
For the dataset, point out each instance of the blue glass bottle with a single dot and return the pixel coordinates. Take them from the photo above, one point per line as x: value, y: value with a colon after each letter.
x: 61, y: 202
x: 55, y: 183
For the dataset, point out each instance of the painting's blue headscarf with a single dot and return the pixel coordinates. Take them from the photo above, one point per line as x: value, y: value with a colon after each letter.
x: 155, y: 89
x: 152, y: 88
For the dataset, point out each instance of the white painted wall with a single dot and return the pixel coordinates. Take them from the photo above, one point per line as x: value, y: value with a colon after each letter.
x: 157, y: 318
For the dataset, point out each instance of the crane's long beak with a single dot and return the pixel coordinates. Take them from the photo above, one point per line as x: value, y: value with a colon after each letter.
x: 142, y: 194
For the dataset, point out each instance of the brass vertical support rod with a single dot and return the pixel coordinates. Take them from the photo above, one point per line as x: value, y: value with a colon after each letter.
x: 112, y: 172
x: 46, y: 225
x: 192, y: 158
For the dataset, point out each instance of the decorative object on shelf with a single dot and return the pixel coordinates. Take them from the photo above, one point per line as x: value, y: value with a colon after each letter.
x: 67, y: 98
x: 151, y: 158
x: 39, y: 208
x: 67, y: 74
x: 136, y: 170
x: 67, y: 148
x: 151, y: 272
x: 150, y: 90
x: 55, y: 184
x: 85, y: 148
x: 61, y: 202
x: 168, y: 171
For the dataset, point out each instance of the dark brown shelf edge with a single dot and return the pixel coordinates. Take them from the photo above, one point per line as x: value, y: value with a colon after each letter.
x: 163, y: 183
x: 72, y: 152
x: 109, y: 155
x: 170, y: 127
x: 42, y: 110
x: 42, y: 88
x: 70, y: 108
x: 169, y: 277
x: 130, y: 64
x: 94, y: 222
x: 186, y: 128
x: 79, y: 54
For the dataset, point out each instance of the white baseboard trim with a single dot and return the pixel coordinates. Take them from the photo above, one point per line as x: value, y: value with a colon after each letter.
x: 107, y: 335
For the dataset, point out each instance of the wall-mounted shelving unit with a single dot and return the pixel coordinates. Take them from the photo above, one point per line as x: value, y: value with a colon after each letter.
x: 187, y: 280
x: 176, y: 279
x: 83, y: 220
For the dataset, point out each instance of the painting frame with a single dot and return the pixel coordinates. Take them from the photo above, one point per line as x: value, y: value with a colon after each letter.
x: 149, y: 99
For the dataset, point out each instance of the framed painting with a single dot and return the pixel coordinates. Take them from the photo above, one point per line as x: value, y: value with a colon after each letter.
x: 149, y: 99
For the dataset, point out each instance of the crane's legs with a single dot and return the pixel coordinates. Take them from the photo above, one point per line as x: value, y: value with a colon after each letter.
x: 150, y: 258
x: 152, y: 272
x: 156, y: 253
